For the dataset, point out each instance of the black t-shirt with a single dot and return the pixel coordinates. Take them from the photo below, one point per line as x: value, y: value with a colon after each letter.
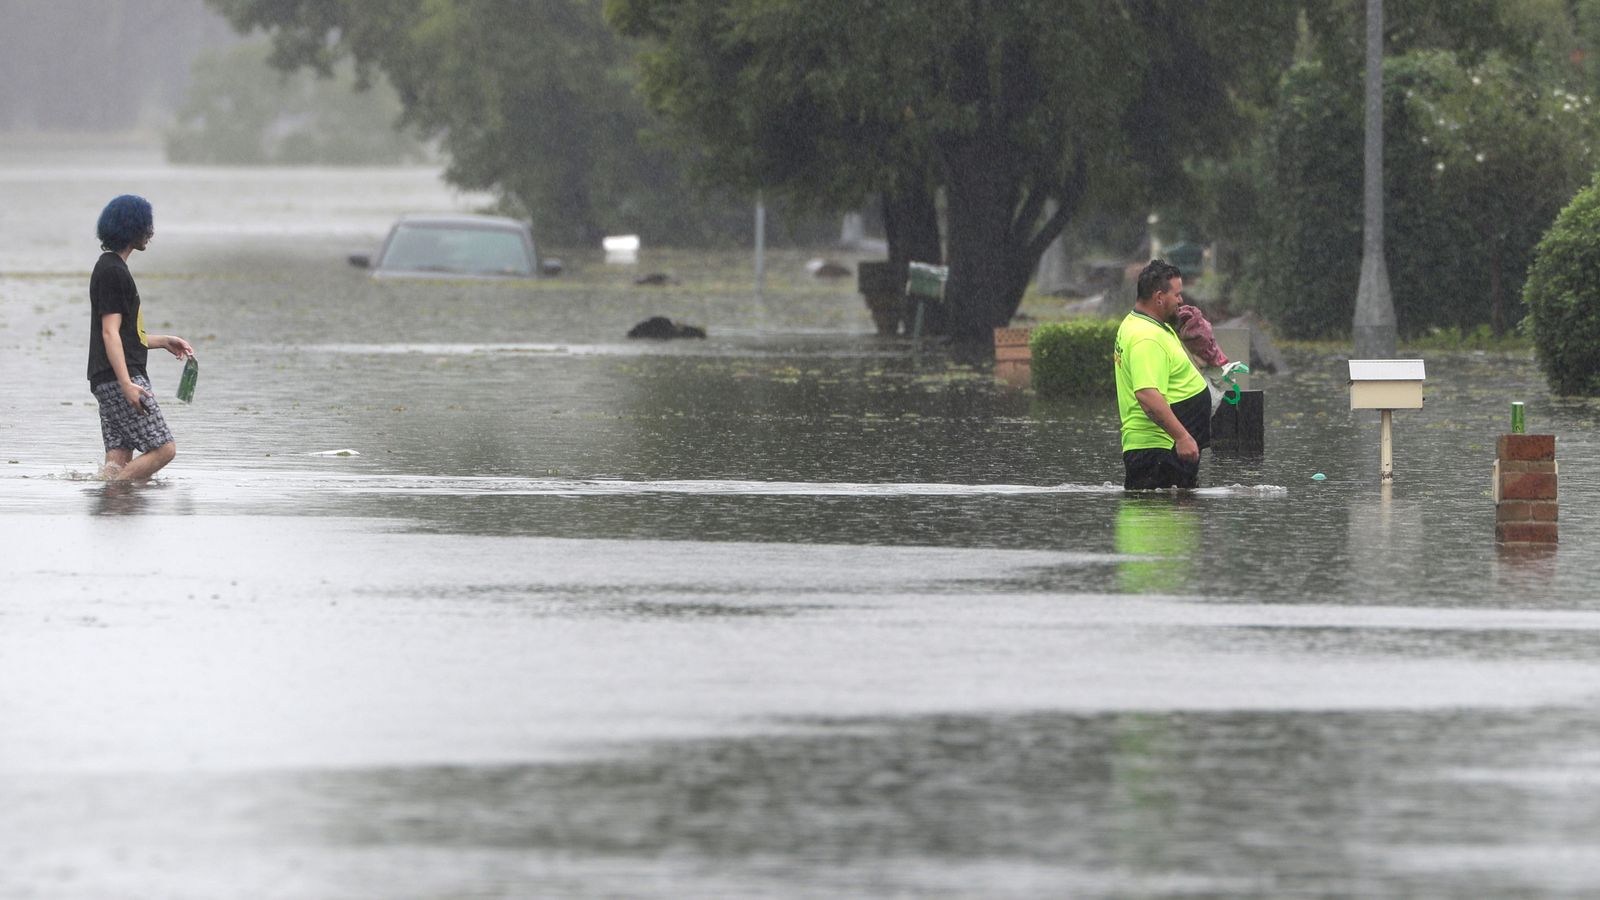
x: 111, y: 290
x: 1194, y: 414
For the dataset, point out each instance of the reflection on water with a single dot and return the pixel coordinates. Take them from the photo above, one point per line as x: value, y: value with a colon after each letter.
x: 788, y: 610
x: 120, y: 498
x: 1162, y: 535
x: 1036, y: 805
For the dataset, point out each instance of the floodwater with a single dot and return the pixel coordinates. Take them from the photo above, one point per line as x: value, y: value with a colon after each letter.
x: 788, y: 612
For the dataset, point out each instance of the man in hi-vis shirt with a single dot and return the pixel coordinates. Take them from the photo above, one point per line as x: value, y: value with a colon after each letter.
x: 1163, y: 399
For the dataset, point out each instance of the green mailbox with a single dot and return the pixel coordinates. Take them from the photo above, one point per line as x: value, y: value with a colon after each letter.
x: 1188, y: 257
x: 924, y: 284
x: 926, y: 281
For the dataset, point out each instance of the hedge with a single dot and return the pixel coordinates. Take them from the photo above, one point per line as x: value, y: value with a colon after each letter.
x: 1073, y: 358
x: 1563, y: 298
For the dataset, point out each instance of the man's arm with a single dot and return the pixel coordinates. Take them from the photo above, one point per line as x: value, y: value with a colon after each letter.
x: 111, y: 334
x: 1160, y: 412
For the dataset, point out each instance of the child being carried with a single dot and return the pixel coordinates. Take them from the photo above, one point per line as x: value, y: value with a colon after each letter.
x: 1195, y: 332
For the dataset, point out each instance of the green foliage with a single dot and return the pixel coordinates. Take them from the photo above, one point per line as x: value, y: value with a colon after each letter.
x: 1477, y: 160
x: 240, y: 111
x: 1073, y: 358
x: 1471, y: 28
x: 1009, y: 110
x: 1448, y: 338
x: 534, y: 99
x: 1563, y: 298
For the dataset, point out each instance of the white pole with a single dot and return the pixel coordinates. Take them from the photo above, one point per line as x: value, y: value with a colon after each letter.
x: 761, y: 245
x: 1374, y: 324
x: 1386, y: 445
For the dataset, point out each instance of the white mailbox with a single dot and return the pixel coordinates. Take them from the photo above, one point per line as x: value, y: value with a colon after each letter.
x: 1386, y: 384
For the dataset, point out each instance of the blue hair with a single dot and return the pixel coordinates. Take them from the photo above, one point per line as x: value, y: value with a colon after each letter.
x: 124, y: 221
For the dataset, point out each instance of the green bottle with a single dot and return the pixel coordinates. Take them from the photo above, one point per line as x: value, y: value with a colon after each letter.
x: 191, y: 374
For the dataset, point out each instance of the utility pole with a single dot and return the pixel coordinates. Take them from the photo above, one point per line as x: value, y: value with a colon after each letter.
x: 761, y: 245
x: 1374, y: 324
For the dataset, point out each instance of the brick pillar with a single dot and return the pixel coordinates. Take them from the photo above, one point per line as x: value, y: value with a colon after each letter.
x: 1013, y: 360
x: 1525, y: 489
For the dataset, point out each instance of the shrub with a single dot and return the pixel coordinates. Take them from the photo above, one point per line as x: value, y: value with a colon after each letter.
x: 1073, y: 358
x: 1563, y: 297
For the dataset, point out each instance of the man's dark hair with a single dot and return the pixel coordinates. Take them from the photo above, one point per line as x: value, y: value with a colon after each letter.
x: 124, y: 221
x: 1155, y: 276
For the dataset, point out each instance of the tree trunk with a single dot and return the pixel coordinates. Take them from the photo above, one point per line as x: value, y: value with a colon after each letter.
x: 983, y: 290
x: 1497, y: 306
x: 997, y: 233
x: 911, y: 227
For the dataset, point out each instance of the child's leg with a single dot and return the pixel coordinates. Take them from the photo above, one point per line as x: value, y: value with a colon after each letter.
x: 147, y: 464
x: 115, y: 460
x: 127, y: 429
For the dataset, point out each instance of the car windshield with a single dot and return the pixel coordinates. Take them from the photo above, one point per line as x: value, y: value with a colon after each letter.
x: 471, y: 251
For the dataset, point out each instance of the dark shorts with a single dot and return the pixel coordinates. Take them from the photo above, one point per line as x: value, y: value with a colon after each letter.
x: 1155, y: 468
x: 125, y: 428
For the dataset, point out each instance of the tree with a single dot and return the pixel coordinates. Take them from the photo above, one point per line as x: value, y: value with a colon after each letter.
x: 531, y: 98
x: 1480, y: 77
x: 1000, y: 107
x: 1478, y: 160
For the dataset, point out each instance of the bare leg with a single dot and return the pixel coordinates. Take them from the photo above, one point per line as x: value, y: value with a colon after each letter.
x: 146, y: 464
x: 115, y: 460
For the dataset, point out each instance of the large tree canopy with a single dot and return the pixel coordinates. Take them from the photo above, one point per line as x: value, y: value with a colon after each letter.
x: 533, y: 98
x: 1007, y: 109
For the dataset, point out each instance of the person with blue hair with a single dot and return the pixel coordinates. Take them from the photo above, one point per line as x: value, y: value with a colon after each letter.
x: 130, y: 418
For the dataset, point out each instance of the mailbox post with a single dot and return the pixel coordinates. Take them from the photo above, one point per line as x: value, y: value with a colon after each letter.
x: 1386, y: 385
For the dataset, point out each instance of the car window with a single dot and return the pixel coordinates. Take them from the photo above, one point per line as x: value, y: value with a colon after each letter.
x: 471, y: 251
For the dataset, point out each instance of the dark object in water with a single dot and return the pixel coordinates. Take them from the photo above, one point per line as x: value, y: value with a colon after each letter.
x: 663, y: 327
x: 827, y: 268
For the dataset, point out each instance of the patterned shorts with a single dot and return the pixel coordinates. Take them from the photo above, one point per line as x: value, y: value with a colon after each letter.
x: 126, y: 428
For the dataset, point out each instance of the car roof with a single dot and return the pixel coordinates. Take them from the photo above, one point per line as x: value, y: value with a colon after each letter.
x: 460, y: 220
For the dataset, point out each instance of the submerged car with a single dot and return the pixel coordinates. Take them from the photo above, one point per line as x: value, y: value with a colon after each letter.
x: 457, y: 246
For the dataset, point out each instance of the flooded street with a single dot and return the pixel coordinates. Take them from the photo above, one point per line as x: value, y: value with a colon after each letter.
x: 787, y: 612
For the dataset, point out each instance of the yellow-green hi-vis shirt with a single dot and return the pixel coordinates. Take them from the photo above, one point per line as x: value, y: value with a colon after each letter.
x: 1149, y: 355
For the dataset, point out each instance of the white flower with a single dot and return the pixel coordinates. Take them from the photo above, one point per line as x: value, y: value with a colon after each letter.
x: 1438, y: 167
x: 1479, y: 157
